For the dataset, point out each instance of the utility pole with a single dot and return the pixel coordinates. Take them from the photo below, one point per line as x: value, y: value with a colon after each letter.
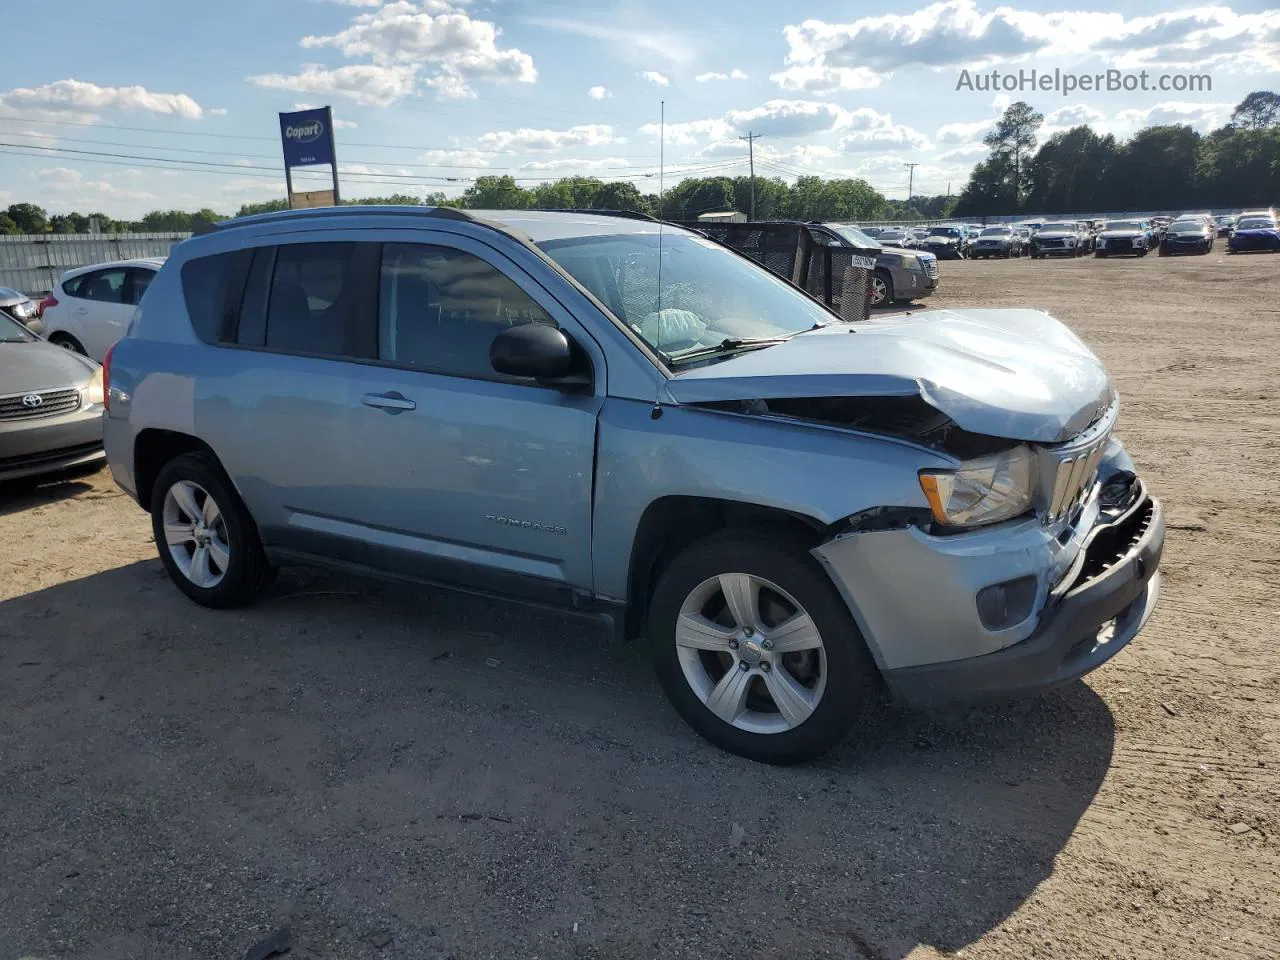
x: 911, y: 180
x: 751, y: 139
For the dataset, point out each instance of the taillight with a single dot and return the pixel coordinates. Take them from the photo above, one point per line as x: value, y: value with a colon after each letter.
x: 45, y: 304
x: 106, y: 378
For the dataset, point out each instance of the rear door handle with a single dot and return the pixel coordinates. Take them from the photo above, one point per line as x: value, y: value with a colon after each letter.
x: 393, y: 402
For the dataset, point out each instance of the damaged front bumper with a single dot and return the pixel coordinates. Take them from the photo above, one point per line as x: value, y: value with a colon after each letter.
x: 1087, y: 593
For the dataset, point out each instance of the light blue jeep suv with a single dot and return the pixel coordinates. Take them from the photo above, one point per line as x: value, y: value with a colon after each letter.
x: 627, y: 420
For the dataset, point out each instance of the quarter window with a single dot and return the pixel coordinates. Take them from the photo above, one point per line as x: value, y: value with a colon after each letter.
x: 440, y: 309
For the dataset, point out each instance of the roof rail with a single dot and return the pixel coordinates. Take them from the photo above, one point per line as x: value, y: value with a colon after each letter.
x: 624, y: 214
x: 346, y: 210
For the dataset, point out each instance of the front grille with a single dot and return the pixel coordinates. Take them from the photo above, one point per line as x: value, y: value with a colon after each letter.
x: 1051, y: 243
x: 931, y: 268
x: 1118, y: 244
x: 1075, y: 476
x: 38, y: 403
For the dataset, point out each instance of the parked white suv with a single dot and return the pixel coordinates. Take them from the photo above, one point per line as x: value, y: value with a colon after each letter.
x: 90, y: 307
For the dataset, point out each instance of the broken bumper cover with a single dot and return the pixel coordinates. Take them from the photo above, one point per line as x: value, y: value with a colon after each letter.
x: 1110, y: 597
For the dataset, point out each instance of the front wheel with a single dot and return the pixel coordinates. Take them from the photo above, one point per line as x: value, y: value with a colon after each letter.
x: 207, y: 540
x: 756, y: 650
x: 881, y: 288
x: 68, y: 342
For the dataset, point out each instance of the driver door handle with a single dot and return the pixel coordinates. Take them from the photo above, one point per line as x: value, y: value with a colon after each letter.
x: 393, y: 402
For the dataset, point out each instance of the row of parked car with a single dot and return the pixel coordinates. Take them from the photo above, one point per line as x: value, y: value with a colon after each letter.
x: 1187, y: 233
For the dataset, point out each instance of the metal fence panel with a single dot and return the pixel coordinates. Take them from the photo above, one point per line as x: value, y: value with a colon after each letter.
x: 33, y: 263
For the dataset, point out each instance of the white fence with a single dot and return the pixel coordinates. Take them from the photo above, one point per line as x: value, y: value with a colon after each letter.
x: 33, y: 263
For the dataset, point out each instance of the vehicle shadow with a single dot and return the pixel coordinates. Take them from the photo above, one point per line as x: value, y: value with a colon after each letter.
x: 347, y: 757
x: 19, y: 495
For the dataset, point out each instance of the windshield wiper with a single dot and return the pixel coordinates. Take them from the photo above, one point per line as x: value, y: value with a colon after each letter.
x: 727, y: 345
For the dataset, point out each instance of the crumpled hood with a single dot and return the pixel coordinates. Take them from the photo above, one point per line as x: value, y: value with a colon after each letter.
x: 1120, y: 234
x: 1018, y: 374
x: 1055, y: 234
x: 40, y: 365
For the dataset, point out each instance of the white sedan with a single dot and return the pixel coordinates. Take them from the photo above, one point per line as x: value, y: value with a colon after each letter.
x: 90, y: 307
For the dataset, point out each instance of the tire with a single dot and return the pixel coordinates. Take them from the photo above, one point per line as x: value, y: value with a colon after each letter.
x: 837, y: 680
x: 235, y: 569
x: 886, y: 282
x: 1100, y: 254
x: 1144, y: 251
x: 68, y: 342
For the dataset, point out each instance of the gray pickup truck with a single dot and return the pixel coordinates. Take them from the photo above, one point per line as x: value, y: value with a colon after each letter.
x: 627, y: 420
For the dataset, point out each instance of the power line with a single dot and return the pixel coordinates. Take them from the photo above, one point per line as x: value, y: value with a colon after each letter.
x: 92, y: 155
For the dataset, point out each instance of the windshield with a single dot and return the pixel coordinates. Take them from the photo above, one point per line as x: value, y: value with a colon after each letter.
x: 11, y: 331
x: 944, y: 232
x: 709, y: 294
x: 1124, y: 225
x: 891, y: 236
x: 1187, y: 225
x: 855, y: 236
x: 1255, y: 223
x: 996, y: 232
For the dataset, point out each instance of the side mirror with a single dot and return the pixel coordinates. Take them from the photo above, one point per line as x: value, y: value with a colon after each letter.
x: 536, y: 350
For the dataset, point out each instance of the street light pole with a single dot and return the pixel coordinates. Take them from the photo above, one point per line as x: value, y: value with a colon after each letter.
x: 751, y: 139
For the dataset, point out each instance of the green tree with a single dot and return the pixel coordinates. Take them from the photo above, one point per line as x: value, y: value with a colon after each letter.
x: 989, y: 190
x: 1239, y: 167
x: 1071, y: 171
x: 394, y: 200
x: 69, y: 223
x: 28, y: 217
x: 620, y: 195
x: 1011, y: 142
x: 7, y: 226
x: 1158, y: 169
x: 496, y: 193
x: 1258, y: 111
x: 265, y: 206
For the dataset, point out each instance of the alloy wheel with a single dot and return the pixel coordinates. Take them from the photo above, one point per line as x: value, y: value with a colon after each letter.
x: 195, y: 532
x: 878, y: 291
x: 751, y: 653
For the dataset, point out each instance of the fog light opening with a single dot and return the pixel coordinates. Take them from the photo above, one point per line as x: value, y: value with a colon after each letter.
x: 1005, y: 605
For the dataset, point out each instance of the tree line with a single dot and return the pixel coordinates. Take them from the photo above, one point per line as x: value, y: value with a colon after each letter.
x: 808, y: 198
x: 1163, y: 167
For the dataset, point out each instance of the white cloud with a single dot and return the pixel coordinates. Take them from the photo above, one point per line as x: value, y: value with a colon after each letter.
x: 600, y: 93
x: 964, y: 132
x: 461, y: 157
x: 218, y: 112
x: 795, y: 118
x: 871, y: 130
x: 338, y: 123
x: 689, y: 132
x: 630, y: 39
x: 366, y: 84
x: 430, y: 41
x: 654, y: 77
x: 824, y: 56
x: 582, y: 135
x: 582, y: 166
x: 734, y: 74
x: 64, y: 180
x: 1201, y: 116
x: 63, y: 95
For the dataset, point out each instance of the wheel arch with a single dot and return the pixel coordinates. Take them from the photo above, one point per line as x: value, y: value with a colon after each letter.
x: 670, y: 524
x: 152, y: 449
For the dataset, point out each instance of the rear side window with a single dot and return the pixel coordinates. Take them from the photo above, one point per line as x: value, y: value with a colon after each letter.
x: 322, y: 300
x: 212, y: 287
x: 104, y: 286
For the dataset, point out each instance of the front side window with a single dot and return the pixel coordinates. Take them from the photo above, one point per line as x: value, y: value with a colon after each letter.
x: 440, y: 309
x: 683, y: 294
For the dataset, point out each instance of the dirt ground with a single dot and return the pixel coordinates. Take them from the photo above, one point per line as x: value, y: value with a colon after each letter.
x: 397, y: 772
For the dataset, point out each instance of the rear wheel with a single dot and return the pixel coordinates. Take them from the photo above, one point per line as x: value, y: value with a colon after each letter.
x: 208, y: 543
x: 68, y: 342
x: 756, y: 650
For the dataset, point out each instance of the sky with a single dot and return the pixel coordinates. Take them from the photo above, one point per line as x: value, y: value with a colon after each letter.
x: 137, y: 105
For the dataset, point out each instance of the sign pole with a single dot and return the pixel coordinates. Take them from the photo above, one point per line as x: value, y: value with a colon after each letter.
x: 333, y: 152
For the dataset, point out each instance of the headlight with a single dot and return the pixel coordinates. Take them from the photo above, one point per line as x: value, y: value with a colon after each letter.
x: 24, y: 310
x: 987, y: 490
x: 94, y: 395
